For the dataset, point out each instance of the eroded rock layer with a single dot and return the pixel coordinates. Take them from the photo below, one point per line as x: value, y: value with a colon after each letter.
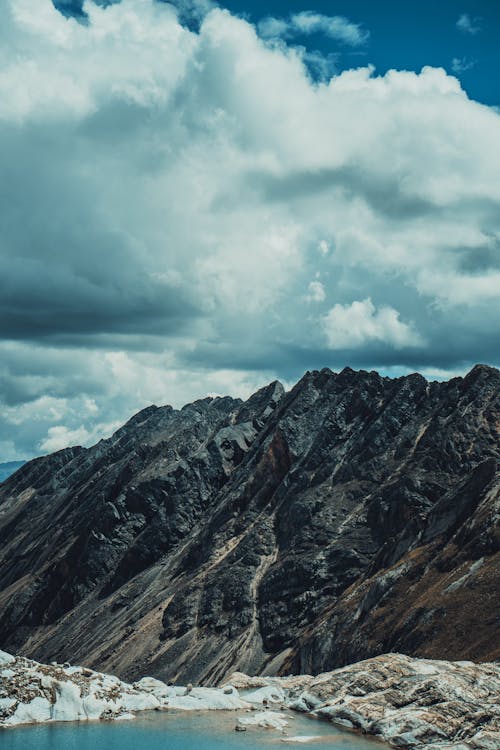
x: 293, y: 532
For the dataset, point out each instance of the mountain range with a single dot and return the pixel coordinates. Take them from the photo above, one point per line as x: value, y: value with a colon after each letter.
x: 294, y: 532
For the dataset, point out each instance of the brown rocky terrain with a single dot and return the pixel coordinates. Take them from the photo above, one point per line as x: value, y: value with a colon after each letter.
x: 294, y: 532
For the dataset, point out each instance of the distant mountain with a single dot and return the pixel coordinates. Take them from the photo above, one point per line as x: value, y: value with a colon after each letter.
x: 8, y: 468
x: 294, y: 532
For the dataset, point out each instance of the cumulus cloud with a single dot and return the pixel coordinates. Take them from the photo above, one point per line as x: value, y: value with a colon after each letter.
x: 308, y: 22
x: 468, y: 25
x: 169, y: 193
x: 59, y: 436
x: 352, y: 326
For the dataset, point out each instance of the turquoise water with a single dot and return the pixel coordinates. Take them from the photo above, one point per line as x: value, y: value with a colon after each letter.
x: 177, y: 731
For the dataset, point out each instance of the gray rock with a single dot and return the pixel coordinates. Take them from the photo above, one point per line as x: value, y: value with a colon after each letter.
x: 295, y: 532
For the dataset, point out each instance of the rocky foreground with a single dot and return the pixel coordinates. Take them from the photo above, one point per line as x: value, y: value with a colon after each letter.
x: 32, y: 693
x: 406, y: 702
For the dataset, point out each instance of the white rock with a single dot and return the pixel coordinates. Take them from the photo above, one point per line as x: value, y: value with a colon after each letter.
x: 6, y: 703
x: 270, y: 694
x: 207, y: 699
x: 298, y: 704
x: 159, y: 689
x: 36, y: 711
x: 343, y: 715
x: 137, y: 701
x: 70, y: 671
x: 6, y: 658
x: 265, y: 719
x: 68, y: 705
x: 109, y: 681
x: 151, y: 685
x: 304, y: 703
x: 94, y: 707
x: 486, y: 740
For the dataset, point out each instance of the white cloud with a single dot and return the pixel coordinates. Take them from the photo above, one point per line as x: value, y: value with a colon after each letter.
x: 273, y: 28
x: 335, y: 27
x: 308, y: 22
x: 354, y: 325
x: 316, y: 292
x: 468, y: 25
x: 323, y: 247
x: 60, y: 436
x: 461, y: 64
x: 171, y: 194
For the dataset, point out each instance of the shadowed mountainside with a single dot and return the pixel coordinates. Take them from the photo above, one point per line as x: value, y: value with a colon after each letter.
x: 293, y: 532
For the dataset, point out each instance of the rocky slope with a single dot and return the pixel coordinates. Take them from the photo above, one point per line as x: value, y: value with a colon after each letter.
x: 295, y: 532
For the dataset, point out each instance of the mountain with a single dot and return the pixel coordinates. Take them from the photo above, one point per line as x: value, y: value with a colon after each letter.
x: 295, y: 532
x: 8, y: 468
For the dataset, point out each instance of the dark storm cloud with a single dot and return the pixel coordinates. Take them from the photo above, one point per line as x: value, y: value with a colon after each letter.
x: 480, y: 259
x: 61, y: 380
x: 65, y: 267
x: 384, y: 195
x: 37, y: 301
x: 442, y: 351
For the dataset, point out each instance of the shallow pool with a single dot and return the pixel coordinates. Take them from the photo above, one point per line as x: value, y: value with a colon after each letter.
x: 178, y: 731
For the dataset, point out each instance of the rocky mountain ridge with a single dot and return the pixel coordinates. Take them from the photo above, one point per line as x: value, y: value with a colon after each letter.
x: 294, y: 532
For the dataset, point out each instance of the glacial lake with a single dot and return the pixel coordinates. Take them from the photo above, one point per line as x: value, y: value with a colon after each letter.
x: 179, y: 731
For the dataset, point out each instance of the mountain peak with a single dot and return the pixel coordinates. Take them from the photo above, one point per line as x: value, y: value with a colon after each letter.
x: 309, y: 528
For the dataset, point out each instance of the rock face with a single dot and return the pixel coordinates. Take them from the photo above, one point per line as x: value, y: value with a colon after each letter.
x: 406, y: 702
x: 294, y: 532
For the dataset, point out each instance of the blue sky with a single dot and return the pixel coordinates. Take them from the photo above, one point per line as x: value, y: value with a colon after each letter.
x: 401, y: 34
x: 408, y: 35
x: 198, y: 200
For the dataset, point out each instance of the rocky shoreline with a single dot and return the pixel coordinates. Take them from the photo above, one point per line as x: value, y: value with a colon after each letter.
x: 404, y: 701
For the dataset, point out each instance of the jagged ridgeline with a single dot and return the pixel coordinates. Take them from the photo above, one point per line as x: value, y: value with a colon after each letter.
x: 293, y: 532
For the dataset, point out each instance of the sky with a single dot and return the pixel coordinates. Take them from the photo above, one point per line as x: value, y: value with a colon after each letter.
x: 197, y: 199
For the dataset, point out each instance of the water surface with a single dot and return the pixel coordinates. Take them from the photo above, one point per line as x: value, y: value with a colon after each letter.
x: 178, y: 731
